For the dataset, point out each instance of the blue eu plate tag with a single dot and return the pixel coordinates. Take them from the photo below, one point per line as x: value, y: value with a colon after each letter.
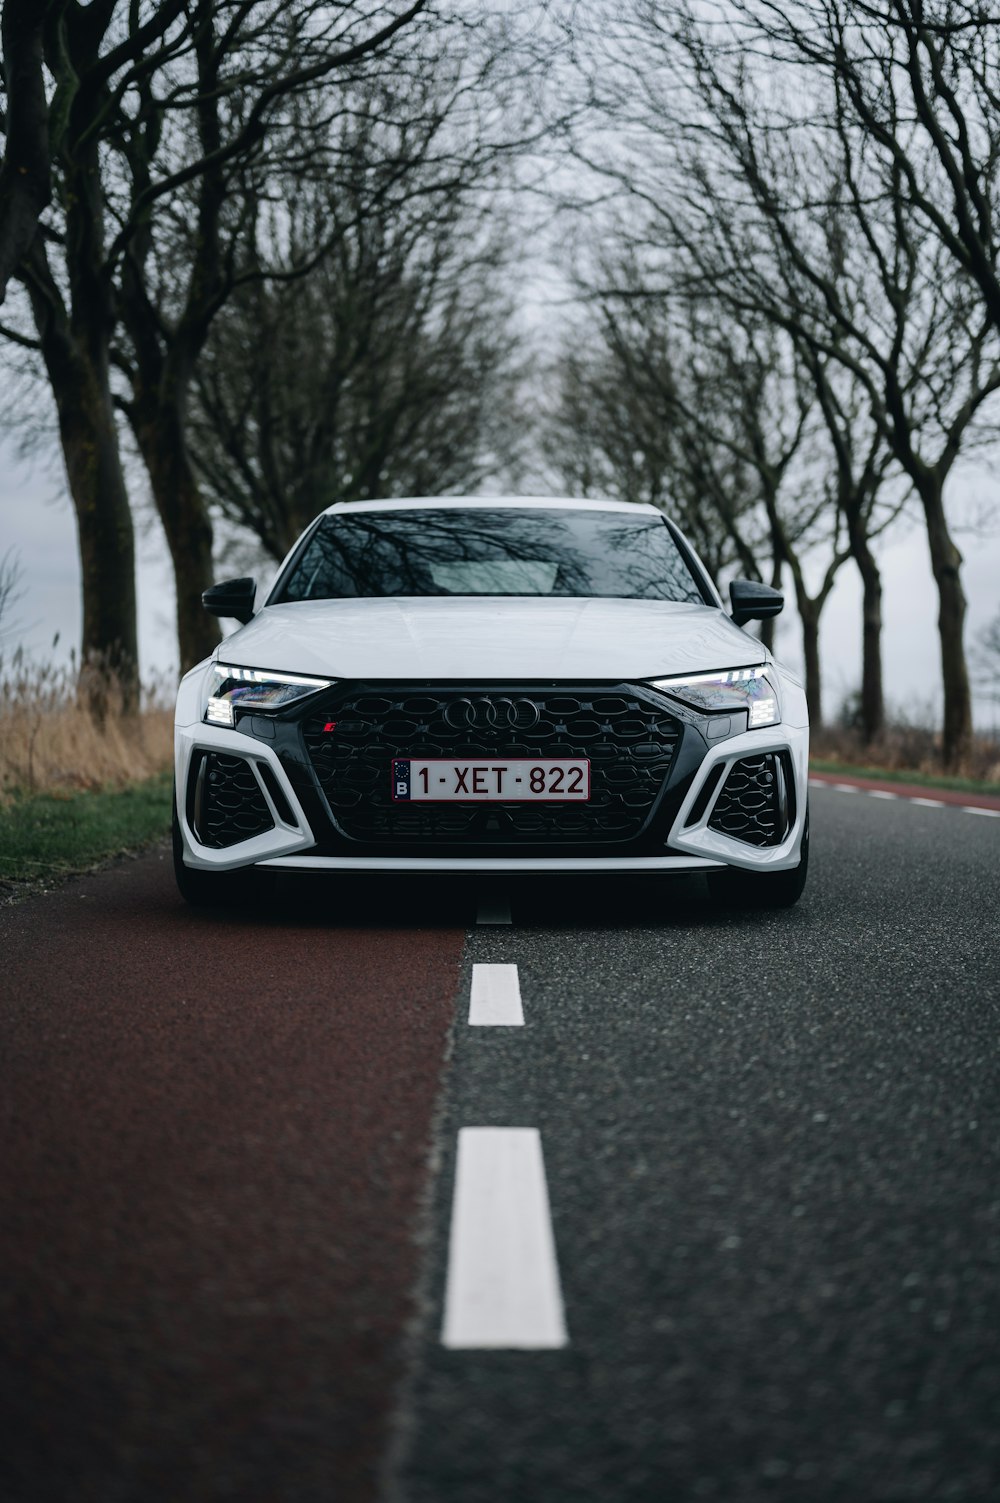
x: 400, y: 781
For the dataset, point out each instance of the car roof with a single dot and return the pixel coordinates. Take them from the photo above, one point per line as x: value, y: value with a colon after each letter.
x: 526, y: 503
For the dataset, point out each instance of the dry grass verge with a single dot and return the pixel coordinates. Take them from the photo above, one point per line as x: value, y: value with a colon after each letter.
x: 51, y: 742
x: 906, y: 748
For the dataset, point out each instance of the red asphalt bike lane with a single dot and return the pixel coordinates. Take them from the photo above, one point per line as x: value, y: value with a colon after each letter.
x: 216, y: 1133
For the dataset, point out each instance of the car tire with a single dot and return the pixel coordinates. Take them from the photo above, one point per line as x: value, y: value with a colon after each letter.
x: 217, y: 889
x: 733, y: 888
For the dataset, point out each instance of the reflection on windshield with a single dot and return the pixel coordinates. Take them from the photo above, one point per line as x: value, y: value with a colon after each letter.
x: 481, y: 551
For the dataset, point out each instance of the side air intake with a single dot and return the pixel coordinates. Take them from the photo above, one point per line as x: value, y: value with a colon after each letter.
x: 757, y: 802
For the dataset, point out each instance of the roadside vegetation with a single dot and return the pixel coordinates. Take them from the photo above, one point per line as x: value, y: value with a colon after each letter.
x: 907, y: 749
x: 81, y: 780
x: 906, y: 754
x: 47, y: 836
x: 55, y: 740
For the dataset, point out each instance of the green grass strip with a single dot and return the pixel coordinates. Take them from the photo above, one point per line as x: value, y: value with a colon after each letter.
x: 922, y: 779
x: 47, y: 835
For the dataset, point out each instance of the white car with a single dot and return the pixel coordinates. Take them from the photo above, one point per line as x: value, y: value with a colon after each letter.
x: 492, y: 685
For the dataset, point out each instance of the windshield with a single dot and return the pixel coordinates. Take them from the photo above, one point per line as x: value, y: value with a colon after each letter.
x: 482, y: 551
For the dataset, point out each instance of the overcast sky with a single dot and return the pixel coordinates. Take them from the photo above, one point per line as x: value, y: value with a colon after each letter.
x: 36, y: 519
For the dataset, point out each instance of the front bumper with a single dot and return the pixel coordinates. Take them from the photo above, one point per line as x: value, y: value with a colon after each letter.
x: 507, y: 866
x: 684, y: 841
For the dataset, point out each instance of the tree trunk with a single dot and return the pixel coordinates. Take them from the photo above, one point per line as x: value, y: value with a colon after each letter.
x: 76, y: 361
x: 872, y: 700
x: 769, y: 627
x: 809, y: 613
x: 810, y: 609
x: 109, y: 643
x: 25, y: 177
x: 946, y: 562
x: 872, y: 697
x: 188, y: 528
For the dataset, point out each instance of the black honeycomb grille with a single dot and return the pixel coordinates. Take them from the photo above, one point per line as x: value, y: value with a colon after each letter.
x: 229, y: 805
x: 753, y: 803
x: 629, y: 740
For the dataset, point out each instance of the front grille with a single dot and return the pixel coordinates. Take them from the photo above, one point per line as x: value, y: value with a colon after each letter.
x: 629, y: 740
x: 227, y: 803
x: 754, y: 802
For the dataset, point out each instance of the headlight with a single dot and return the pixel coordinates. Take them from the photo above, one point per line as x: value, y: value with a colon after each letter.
x: 739, y: 689
x: 229, y: 689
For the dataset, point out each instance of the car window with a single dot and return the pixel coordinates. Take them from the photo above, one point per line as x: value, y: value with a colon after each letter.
x: 480, y: 551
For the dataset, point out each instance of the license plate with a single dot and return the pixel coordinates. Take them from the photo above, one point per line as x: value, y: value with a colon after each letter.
x: 510, y: 781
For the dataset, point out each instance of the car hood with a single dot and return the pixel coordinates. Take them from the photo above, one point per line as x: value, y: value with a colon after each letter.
x: 490, y: 638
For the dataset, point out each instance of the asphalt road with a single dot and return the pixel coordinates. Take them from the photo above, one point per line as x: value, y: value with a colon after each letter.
x: 772, y: 1151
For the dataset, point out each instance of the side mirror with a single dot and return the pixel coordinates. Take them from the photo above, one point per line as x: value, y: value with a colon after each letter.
x: 753, y: 601
x: 234, y: 597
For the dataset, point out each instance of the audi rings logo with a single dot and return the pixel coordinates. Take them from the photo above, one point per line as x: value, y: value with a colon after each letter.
x: 492, y: 714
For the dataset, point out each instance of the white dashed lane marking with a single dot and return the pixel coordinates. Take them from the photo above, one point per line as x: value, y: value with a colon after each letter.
x: 502, y: 1286
x: 904, y: 798
x: 496, y: 997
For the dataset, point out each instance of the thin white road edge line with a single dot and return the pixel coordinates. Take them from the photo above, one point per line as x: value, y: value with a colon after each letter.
x: 880, y: 793
x: 502, y: 1289
x: 496, y: 997
x: 927, y: 803
x: 974, y: 809
x: 843, y: 787
x: 493, y: 910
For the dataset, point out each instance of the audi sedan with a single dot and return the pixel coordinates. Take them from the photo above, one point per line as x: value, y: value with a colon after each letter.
x: 492, y: 685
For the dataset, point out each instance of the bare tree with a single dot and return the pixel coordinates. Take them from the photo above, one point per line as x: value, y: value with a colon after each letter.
x: 860, y: 463
x: 768, y: 189
x: 131, y: 79
x: 862, y: 284
x: 629, y: 378
x: 239, y: 117
x: 712, y: 419
x: 921, y: 79
x: 768, y: 420
x: 389, y: 369
x: 183, y: 119
x: 620, y: 425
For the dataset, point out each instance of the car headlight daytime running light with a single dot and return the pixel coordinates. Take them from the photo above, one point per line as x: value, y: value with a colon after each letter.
x: 736, y: 689
x: 229, y: 689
